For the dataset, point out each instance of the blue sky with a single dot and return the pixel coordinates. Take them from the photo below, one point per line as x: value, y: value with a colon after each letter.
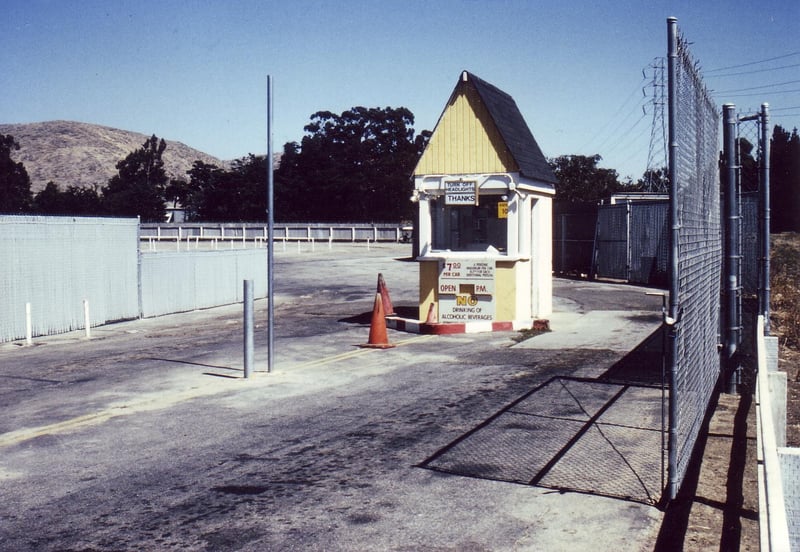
x: 195, y: 71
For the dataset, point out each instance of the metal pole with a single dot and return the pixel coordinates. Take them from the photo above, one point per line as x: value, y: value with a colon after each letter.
x: 674, y: 274
x: 247, y: 300
x: 731, y: 254
x: 765, y: 208
x: 270, y: 237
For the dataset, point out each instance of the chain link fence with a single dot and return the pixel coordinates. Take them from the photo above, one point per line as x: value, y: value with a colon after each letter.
x: 695, y: 260
x: 749, y: 160
x: 632, y: 242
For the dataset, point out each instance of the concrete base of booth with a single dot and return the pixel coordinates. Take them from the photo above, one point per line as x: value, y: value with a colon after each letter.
x: 415, y: 326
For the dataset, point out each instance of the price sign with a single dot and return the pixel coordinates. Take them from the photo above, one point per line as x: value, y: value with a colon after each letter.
x: 466, y: 290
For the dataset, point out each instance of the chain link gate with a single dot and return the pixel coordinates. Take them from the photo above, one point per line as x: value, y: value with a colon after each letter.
x: 695, y: 255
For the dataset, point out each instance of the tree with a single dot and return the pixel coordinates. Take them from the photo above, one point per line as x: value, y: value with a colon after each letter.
x: 199, y: 202
x: 15, y: 184
x: 784, y: 180
x: 49, y: 200
x: 354, y: 166
x: 138, y: 188
x: 748, y: 166
x: 176, y: 191
x: 74, y: 201
x: 581, y: 180
x: 238, y: 195
x: 654, y: 180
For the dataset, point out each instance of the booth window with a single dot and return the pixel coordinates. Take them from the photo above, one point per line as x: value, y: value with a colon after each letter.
x: 470, y: 227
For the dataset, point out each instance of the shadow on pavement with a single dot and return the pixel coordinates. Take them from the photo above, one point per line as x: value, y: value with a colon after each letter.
x: 603, y: 436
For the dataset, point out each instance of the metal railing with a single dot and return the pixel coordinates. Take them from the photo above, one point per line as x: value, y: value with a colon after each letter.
x: 244, y: 232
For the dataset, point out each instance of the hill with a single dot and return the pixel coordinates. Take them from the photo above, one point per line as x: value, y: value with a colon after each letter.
x: 83, y: 154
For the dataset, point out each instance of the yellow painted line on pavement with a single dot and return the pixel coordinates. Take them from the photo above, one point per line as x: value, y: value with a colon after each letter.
x: 157, y: 401
x: 147, y: 403
x: 358, y: 352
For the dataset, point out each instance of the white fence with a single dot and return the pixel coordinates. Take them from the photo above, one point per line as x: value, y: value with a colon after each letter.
x: 337, y: 232
x: 54, y: 264
x: 58, y: 272
x: 779, y: 466
x: 178, y: 282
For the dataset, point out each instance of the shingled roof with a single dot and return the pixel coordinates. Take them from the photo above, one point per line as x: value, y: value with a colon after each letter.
x: 515, y: 132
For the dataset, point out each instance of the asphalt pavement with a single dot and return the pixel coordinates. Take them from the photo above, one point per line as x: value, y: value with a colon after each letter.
x: 147, y: 436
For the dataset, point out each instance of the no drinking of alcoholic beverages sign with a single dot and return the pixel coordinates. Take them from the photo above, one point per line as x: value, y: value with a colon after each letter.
x: 466, y: 290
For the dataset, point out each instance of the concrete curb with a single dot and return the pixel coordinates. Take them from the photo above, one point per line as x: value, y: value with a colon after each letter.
x: 415, y: 326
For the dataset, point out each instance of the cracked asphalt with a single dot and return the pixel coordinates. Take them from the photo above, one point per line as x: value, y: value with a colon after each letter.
x: 147, y: 437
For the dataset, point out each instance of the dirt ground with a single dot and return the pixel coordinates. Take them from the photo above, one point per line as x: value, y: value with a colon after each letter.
x: 719, y: 509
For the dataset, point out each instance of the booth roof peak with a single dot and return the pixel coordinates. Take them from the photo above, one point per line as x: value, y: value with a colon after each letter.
x: 513, y: 129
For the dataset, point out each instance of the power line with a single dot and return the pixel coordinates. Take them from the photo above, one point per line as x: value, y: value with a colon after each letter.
x: 757, y: 87
x: 751, y: 72
x: 632, y: 139
x: 771, y: 92
x: 751, y: 63
x: 622, y: 122
x: 611, y: 119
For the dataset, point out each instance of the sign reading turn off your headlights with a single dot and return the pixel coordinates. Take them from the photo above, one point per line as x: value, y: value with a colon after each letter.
x: 461, y: 192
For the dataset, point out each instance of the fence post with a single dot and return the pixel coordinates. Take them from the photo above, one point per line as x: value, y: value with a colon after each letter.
x: 674, y: 274
x: 86, y: 320
x: 730, y: 216
x: 763, y: 188
x: 247, y: 301
x: 28, y: 325
x: 628, y: 252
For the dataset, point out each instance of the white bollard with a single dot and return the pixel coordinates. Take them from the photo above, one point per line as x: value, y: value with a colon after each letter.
x: 86, y: 321
x: 28, y: 325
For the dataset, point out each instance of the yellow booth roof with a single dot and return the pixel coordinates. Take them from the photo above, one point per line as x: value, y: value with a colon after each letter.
x: 481, y: 130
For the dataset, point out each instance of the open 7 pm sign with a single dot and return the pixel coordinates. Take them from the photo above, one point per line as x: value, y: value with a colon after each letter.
x: 461, y: 192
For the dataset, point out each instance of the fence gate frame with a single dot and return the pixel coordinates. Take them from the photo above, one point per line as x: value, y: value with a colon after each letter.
x: 693, y: 313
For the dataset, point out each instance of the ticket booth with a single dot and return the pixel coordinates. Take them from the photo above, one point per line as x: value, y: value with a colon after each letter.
x: 484, y: 191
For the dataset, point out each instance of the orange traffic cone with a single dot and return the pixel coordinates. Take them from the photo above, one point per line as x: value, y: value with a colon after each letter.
x: 377, y: 329
x: 388, y: 308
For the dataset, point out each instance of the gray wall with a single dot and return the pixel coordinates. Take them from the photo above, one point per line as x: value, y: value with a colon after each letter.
x: 55, y: 263
x: 790, y: 472
x: 184, y: 281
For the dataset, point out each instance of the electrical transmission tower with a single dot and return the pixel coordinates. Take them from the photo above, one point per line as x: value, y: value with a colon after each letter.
x: 655, y: 179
